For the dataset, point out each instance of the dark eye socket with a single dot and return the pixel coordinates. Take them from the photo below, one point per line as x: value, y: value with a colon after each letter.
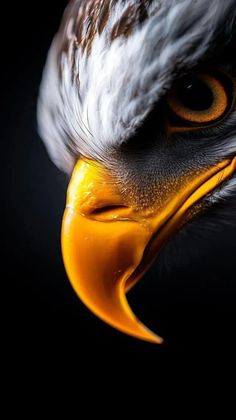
x: 200, y: 99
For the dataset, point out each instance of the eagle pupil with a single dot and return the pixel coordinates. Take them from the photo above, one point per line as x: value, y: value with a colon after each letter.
x: 196, y: 95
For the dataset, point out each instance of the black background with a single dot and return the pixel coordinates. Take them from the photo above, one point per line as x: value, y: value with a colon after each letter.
x: 192, y: 304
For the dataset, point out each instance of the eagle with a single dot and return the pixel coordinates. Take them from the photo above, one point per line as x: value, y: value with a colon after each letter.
x: 137, y: 105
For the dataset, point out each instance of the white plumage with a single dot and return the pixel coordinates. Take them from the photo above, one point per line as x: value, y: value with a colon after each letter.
x: 92, y: 101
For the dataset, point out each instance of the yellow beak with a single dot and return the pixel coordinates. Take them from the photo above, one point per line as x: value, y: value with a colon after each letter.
x: 108, y: 244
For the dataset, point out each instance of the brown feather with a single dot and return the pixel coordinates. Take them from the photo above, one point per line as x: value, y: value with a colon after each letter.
x: 90, y: 18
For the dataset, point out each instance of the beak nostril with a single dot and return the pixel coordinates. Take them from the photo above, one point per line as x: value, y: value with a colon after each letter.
x: 107, y: 209
x: 109, y: 213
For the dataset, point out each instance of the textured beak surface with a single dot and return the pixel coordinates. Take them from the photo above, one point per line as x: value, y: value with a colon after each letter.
x: 107, y: 244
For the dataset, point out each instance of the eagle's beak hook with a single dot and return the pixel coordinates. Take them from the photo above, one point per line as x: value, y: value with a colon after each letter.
x: 108, y: 244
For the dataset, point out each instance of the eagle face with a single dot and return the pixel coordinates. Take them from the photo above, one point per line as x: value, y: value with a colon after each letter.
x: 138, y: 100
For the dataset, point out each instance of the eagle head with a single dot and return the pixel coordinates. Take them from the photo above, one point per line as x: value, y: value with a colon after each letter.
x: 137, y: 105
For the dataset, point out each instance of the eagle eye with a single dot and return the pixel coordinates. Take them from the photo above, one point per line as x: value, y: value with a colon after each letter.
x: 200, y: 99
